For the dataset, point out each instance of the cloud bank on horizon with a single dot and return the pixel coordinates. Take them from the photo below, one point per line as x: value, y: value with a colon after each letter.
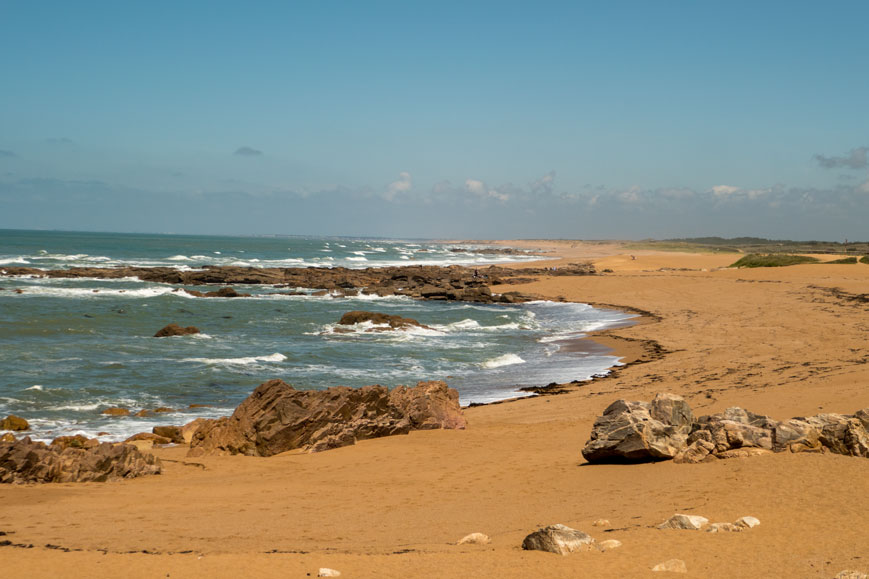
x: 625, y: 121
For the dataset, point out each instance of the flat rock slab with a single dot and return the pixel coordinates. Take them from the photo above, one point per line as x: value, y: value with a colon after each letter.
x: 685, y: 522
x: 672, y: 566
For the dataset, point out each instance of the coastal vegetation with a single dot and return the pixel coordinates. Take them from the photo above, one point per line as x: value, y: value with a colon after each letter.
x: 772, y: 260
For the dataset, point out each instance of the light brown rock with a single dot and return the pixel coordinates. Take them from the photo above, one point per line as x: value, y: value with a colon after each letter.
x: 14, y: 423
x: 684, y: 522
x: 276, y: 417
x: 116, y: 412
x: 558, y: 539
x: 672, y: 566
x: 475, y: 539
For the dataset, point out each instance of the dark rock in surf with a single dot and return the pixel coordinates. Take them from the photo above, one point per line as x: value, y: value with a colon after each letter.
x: 176, y: 330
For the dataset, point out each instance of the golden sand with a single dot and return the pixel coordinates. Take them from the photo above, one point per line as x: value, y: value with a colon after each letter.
x: 776, y: 341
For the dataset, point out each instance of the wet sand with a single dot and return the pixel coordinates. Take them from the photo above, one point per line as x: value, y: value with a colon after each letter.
x: 777, y: 341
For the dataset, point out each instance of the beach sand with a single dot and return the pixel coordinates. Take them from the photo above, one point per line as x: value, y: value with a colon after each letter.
x: 777, y: 341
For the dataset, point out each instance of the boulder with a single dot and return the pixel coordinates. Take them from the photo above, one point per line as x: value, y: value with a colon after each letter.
x: 176, y: 330
x: 25, y: 461
x: 189, y: 429
x: 76, y: 441
x: 225, y: 292
x: 7, y: 437
x: 15, y: 423
x: 640, y: 431
x: 747, y: 522
x: 172, y: 433
x: 276, y: 417
x: 116, y: 412
x: 609, y: 545
x: 684, y: 522
x: 379, y: 319
x: 558, y: 539
x: 149, y: 437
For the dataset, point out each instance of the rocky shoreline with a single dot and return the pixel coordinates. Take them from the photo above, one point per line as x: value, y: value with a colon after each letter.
x: 419, y: 282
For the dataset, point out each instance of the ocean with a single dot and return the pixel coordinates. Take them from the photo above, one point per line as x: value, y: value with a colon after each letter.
x: 70, y: 348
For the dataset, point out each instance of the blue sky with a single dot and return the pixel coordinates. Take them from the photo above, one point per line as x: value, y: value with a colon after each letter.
x: 447, y: 119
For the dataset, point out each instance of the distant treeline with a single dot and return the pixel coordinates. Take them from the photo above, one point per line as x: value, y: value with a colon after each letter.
x: 740, y: 241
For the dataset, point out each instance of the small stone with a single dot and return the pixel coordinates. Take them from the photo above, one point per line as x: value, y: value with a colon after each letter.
x: 724, y: 528
x: 15, y: 423
x: 116, y: 412
x: 851, y: 574
x: 747, y: 522
x: 558, y: 539
x: 326, y: 572
x: 672, y: 565
x: 686, y: 522
x: 609, y: 544
x: 475, y: 539
x: 601, y: 523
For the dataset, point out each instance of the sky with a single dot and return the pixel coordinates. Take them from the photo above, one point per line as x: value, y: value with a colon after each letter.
x: 583, y: 120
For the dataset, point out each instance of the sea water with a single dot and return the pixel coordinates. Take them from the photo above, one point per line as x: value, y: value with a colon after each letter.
x: 70, y: 348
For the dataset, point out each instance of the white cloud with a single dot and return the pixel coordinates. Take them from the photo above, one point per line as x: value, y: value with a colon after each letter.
x: 396, y: 188
x: 724, y: 190
x: 480, y: 189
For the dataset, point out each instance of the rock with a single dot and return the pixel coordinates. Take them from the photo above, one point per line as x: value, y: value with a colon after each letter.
x: 116, y: 412
x: 172, y: 433
x: 14, y: 423
x: 149, y: 437
x: 164, y: 410
x: 672, y: 565
x: 378, y: 319
x: 25, y: 461
x: 851, y: 574
x: 475, y: 539
x: 76, y: 441
x: 640, y: 431
x: 686, y: 522
x: 747, y: 522
x: 8, y: 437
x: 601, y: 523
x: 557, y: 539
x: 176, y: 330
x: 276, y: 417
x: 143, y: 413
x: 326, y: 572
x: 609, y: 544
x: 226, y: 292
x: 189, y: 429
x: 724, y: 528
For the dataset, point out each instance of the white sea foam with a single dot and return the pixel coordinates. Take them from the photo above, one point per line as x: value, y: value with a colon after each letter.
x: 276, y: 357
x: 178, y: 258
x: 37, y: 387
x: 505, y: 360
x: 357, y: 259
x: 10, y: 260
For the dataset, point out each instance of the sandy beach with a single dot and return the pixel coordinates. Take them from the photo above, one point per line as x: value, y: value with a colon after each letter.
x: 784, y: 342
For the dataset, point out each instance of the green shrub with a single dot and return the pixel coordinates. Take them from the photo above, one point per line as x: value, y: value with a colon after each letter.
x: 844, y: 260
x: 772, y: 260
x: 864, y: 259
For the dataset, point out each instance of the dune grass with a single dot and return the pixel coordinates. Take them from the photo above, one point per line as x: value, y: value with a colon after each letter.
x: 772, y: 260
x: 864, y: 259
x: 843, y: 260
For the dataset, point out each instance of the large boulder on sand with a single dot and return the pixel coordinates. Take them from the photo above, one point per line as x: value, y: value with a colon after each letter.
x: 25, y: 461
x: 640, y: 431
x: 276, y: 417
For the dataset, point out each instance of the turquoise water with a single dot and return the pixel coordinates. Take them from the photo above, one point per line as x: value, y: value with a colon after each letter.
x: 69, y: 348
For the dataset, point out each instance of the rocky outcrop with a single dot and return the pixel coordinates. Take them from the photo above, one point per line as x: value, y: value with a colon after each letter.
x: 558, y: 539
x: 25, y: 461
x: 276, y: 417
x: 420, y: 282
x: 172, y: 433
x: 226, y: 292
x: 75, y: 441
x: 176, y: 330
x: 379, y: 319
x: 640, y: 431
x: 14, y: 423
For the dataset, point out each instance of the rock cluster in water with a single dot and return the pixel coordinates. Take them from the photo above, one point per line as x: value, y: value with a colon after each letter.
x: 666, y: 429
x: 72, y: 460
x: 422, y: 282
x: 379, y: 319
x: 276, y: 417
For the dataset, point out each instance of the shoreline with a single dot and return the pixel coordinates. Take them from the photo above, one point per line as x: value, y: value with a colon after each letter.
x: 778, y: 342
